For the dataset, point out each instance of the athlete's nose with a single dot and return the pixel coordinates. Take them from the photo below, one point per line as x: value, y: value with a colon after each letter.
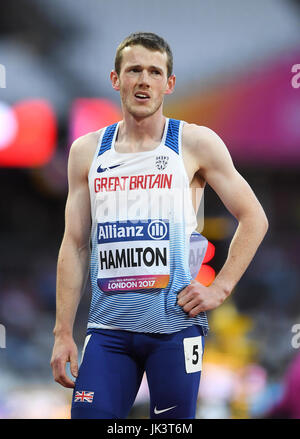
x: 144, y: 78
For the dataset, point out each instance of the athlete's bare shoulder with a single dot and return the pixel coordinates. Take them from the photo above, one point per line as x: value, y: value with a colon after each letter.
x: 83, y: 150
x: 196, y: 135
x: 204, y: 147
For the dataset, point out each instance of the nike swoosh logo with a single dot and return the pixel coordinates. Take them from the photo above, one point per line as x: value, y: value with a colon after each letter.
x: 100, y: 169
x: 157, y: 412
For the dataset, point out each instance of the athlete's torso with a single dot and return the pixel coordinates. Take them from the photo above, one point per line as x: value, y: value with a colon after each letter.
x: 142, y: 220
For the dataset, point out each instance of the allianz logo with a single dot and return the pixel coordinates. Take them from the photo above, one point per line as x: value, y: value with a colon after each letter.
x: 156, y: 229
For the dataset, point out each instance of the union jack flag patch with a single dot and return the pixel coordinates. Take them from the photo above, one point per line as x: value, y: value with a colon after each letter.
x: 83, y: 396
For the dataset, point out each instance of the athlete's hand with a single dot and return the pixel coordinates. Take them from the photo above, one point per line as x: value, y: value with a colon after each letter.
x: 64, y: 351
x: 196, y: 298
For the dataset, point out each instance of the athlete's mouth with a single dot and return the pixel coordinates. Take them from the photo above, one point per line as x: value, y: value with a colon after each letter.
x: 142, y: 96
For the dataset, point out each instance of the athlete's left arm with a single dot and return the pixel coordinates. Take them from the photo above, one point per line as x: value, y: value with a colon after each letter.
x: 216, y: 167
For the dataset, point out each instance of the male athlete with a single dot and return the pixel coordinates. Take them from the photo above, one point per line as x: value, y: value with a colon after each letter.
x: 126, y: 186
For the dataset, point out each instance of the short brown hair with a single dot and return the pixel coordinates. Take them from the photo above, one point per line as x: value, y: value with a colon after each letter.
x: 148, y: 40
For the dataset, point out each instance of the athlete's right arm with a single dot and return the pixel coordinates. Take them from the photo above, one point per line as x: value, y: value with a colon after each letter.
x: 72, y: 264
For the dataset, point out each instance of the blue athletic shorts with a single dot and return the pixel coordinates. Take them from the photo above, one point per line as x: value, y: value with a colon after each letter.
x: 113, y: 365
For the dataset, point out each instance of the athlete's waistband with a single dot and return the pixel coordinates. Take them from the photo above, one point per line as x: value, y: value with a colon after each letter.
x: 100, y: 328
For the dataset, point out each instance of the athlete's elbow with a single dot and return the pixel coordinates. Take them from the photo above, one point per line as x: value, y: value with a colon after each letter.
x: 262, y: 220
x: 261, y: 223
x: 255, y: 219
x: 266, y: 224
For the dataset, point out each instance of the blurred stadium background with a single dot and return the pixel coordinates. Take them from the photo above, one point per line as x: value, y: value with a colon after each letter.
x: 234, y: 64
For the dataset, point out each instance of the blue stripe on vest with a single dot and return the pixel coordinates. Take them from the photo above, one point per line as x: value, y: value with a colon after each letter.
x: 173, y: 135
x: 107, y: 138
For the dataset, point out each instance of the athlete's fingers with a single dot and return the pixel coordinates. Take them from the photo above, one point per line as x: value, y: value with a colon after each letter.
x: 57, y: 368
x: 187, y: 296
x: 187, y: 290
x: 190, y: 305
x: 183, y: 300
x: 196, y: 310
x: 184, y: 293
x: 74, y: 365
x: 59, y: 373
x: 64, y: 380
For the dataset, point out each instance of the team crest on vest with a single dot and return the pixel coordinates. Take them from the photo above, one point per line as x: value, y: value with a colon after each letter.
x: 161, y: 162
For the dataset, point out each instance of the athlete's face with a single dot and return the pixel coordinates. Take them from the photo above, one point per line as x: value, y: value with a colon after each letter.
x: 143, y: 80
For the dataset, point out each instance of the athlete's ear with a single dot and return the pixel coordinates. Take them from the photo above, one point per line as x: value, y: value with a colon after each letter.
x: 170, y: 84
x: 114, y: 77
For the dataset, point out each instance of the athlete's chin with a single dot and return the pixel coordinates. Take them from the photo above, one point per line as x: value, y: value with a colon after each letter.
x: 141, y: 113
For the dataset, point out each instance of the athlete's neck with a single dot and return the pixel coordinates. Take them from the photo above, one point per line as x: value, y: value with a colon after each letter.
x: 142, y: 133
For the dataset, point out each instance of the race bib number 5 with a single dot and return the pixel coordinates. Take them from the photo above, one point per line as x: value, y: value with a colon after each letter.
x: 133, y: 256
x: 193, y: 354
